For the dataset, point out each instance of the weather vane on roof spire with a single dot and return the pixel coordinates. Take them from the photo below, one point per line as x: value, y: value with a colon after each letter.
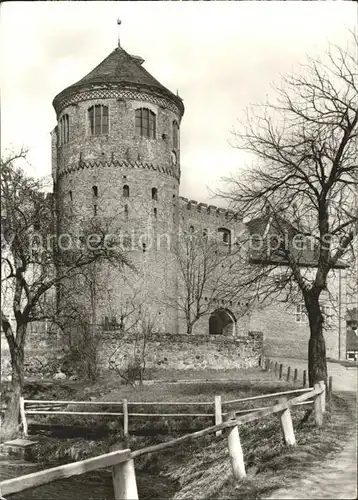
x: 119, y: 22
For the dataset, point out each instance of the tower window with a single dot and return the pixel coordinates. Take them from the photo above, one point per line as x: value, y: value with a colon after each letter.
x: 95, y: 191
x: 64, y: 129
x: 126, y: 191
x: 191, y: 229
x: 175, y: 135
x: 145, y: 123
x: 144, y: 247
x: 155, y: 212
x: 70, y: 195
x: 94, y: 209
x: 126, y: 211
x: 98, y: 119
x: 155, y: 194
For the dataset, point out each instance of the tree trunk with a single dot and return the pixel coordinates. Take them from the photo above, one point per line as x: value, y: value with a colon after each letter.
x: 317, y: 364
x: 12, y: 412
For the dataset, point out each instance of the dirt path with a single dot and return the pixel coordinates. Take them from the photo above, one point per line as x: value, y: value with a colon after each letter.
x: 336, y: 477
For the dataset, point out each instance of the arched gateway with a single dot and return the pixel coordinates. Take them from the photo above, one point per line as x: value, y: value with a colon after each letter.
x: 222, y: 322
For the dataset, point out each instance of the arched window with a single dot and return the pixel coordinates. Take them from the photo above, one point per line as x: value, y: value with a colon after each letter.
x: 145, y: 123
x: 191, y: 229
x: 225, y: 235
x: 64, y: 129
x: 175, y: 135
x: 98, y: 119
x: 126, y: 191
x: 95, y: 191
x: 155, y: 194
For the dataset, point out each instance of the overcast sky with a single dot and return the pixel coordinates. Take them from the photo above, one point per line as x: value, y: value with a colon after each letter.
x: 221, y: 56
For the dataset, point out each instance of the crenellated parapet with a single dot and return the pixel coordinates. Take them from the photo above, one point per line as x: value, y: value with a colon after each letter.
x: 209, y: 210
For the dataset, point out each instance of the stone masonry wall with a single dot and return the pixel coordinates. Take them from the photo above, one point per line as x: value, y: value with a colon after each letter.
x: 188, y: 351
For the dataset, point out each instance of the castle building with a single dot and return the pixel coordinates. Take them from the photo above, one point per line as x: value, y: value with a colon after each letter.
x: 116, y: 159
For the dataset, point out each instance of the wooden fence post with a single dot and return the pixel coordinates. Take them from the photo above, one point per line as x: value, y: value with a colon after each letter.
x: 286, y: 425
x: 323, y: 396
x: 304, y: 378
x: 23, y: 417
x: 235, y: 449
x: 124, y: 481
x: 281, y: 369
x: 218, y: 414
x: 330, y: 386
x: 288, y: 373
x: 318, y: 407
x: 295, y: 373
x: 125, y: 417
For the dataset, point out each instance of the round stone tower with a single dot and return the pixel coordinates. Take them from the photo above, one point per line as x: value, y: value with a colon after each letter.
x: 116, y: 161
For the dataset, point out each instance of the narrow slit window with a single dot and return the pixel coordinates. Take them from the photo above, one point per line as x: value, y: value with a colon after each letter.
x: 95, y: 191
x: 126, y: 191
x: 126, y: 211
x: 155, y: 212
x: 70, y: 195
x: 154, y: 194
x: 144, y: 247
x: 94, y: 209
x: 175, y: 135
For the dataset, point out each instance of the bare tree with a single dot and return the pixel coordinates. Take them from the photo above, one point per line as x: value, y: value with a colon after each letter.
x: 304, y: 147
x: 204, y: 275
x: 138, y: 325
x: 34, y: 267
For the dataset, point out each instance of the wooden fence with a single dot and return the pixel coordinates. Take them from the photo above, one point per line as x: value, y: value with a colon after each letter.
x: 123, y: 472
x: 53, y: 407
x: 286, y: 373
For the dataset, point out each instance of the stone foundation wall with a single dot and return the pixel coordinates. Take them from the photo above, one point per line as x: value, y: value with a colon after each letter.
x: 182, y: 352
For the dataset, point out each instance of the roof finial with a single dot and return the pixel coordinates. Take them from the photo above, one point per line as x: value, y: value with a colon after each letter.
x: 119, y: 22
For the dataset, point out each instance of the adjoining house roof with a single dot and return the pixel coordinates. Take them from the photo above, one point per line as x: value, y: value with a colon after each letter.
x: 267, y: 228
x: 121, y: 69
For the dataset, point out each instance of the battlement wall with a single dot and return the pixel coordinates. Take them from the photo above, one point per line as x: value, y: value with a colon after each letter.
x: 210, y: 217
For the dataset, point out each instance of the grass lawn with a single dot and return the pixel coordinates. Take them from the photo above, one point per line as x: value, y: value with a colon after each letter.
x: 229, y: 385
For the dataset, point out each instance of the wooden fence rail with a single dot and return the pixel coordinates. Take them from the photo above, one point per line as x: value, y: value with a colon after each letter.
x: 53, y: 407
x: 124, y: 480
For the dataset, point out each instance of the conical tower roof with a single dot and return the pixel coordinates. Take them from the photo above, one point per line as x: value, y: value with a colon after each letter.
x: 121, y: 70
